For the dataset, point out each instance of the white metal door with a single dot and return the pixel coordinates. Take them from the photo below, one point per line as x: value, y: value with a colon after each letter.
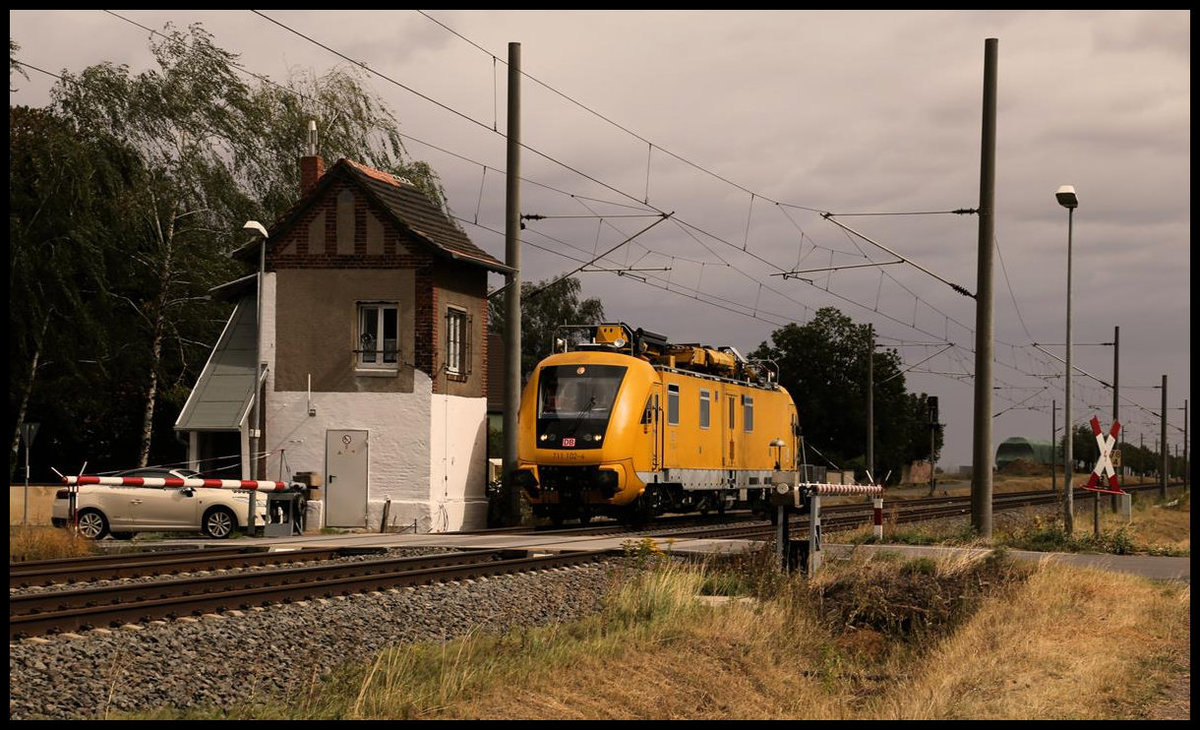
x: 346, y: 478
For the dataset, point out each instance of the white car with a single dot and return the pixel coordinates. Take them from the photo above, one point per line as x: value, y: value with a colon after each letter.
x: 125, y: 510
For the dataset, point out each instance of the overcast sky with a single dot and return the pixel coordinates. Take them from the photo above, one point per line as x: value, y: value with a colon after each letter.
x: 747, y: 126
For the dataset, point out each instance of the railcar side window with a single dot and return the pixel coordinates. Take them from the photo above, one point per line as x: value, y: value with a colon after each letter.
x: 648, y: 412
x: 704, y: 408
x: 748, y: 412
x: 673, y: 405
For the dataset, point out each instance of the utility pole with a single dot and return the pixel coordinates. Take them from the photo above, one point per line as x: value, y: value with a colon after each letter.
x: 871, y: 402
x: 1185, y: 461
x: 981, y: 449
x: 933, y: 425
x: 1116, y: 403
x: 512, y: 298
x: 1162, y: 477
x: 1053, y: 448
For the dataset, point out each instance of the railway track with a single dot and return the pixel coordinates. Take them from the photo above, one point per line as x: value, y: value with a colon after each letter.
x: 850, y: 515
x: 55, y: 611
x: 81, y: 609
x: 174, y: 562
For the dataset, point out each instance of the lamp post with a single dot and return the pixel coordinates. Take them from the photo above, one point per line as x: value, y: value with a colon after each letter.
x: 257, y: 410
x: 1067, y: 199
x: 255, y: 435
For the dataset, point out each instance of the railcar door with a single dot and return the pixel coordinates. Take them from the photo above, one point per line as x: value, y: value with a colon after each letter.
x: 656, y: 413
x: 731, y: 432
x: 652, y: 428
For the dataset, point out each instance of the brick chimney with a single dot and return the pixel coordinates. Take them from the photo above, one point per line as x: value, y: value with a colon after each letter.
x: 312, y: 167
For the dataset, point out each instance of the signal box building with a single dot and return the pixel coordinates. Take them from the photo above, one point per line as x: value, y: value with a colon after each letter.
x: 374, y: 358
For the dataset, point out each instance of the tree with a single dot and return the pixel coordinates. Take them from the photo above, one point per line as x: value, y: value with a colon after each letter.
x: 14, y: 66
x: 185, y: 120
x: 544, y: 307
x: 351, y: 122
x: 823, y: 364
x: 201, y: 152
x: 62, y: 182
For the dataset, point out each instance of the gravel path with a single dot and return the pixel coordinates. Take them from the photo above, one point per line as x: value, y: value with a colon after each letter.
x: 223, y: 660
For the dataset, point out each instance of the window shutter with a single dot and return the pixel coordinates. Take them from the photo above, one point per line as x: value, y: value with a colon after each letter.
x: 468, y: 340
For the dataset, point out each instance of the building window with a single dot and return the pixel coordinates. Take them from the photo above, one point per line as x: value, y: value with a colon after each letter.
x: 378, y: 336
x: 704, y: 408
x: 672, y: 405
x: 748, y: 412
x: 458, y: 342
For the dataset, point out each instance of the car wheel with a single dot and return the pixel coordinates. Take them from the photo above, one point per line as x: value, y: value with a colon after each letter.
x: 122, y: 535
x: 92, y: 524
x: 219, y: 523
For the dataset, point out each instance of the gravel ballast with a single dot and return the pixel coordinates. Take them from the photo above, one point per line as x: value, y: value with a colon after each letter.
x: 264, y: 654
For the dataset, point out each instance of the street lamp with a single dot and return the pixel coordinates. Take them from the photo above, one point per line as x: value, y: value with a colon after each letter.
x: 257, y: 411
x: 1067, y: 199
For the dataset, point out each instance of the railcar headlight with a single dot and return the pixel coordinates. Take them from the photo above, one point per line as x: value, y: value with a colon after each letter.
x: 597, y: 437
x: 542, y: 437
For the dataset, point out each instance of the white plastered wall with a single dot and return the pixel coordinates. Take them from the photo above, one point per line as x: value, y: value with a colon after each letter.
x: 426, y: 452
x: 458, y: 461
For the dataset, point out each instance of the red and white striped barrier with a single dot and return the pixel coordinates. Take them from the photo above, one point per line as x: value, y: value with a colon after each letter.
x: 877, y: 502
x: 252, y: 484
x: 828, y: 489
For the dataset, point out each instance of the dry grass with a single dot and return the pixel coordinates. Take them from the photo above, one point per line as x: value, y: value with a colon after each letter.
x: 994, y: 645
x: 45, y: 543
x: 968, y: 638
x: 1164, y: 526
x: 971, y: 638
x: 1154, y: 528
x: 1070, y: 644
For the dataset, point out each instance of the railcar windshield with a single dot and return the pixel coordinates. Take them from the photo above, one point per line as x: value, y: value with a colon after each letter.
x: 574, y: 404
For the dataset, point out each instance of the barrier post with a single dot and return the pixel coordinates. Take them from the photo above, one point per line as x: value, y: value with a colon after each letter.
x: 878, y: 503
x: 782, y: 538
x: 814, y: 536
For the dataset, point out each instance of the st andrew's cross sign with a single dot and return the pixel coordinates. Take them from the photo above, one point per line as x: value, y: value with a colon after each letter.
x: 1104, y: 465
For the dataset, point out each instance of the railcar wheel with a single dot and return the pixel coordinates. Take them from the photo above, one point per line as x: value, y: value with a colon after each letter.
x: 92, y: 524
x: 219, y: 523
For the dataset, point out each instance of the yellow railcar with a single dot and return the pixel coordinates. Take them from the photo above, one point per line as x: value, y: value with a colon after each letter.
x: 626, y: 425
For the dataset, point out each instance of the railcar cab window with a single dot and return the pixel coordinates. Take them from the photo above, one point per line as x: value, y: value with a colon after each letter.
x: 378, y: 336
x: 672, y: 405
x: 574, y: 405
x: 648, y: 411
x: 748, y: 412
